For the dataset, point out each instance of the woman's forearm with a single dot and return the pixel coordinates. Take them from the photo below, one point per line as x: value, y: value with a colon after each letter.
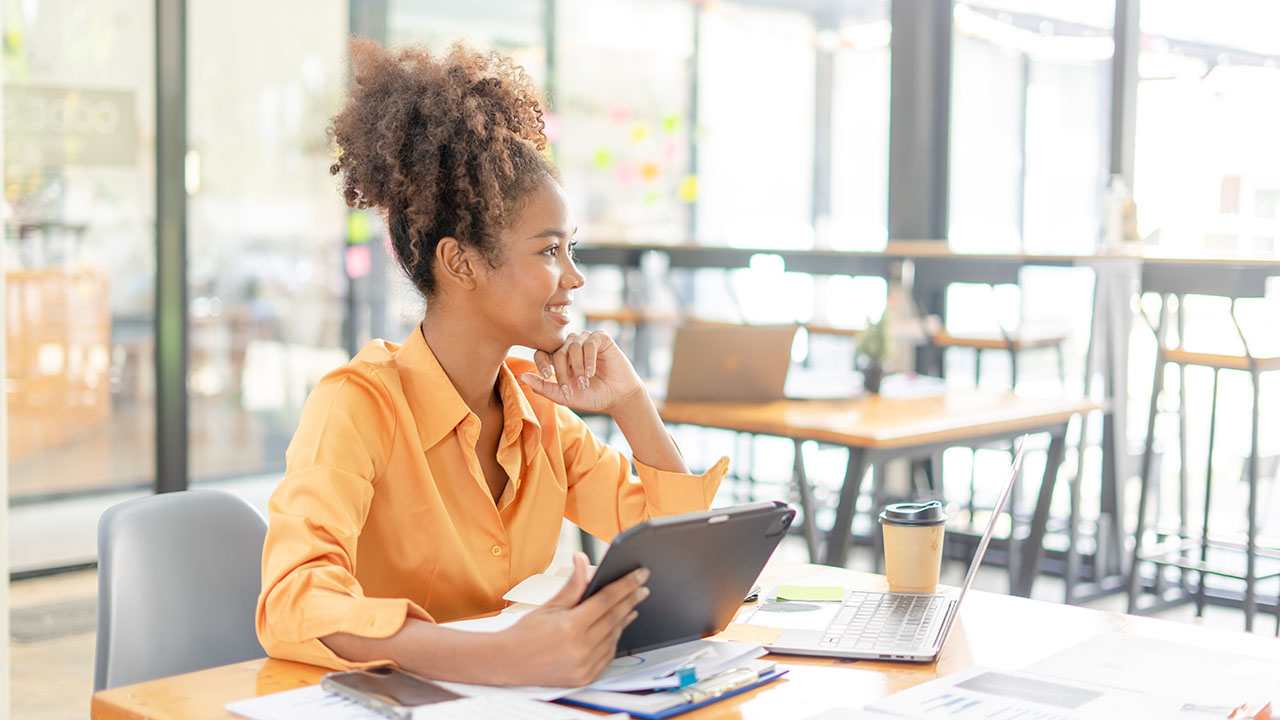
x: 640, y: 423
x: 434, y: 652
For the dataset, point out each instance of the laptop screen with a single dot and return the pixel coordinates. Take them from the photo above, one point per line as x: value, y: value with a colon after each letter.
x: 995, y: 513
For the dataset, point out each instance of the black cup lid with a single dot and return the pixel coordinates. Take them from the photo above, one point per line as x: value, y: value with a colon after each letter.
x: 914, y: 513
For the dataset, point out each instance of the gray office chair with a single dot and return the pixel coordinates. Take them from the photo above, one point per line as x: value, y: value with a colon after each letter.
x: 178, y: 581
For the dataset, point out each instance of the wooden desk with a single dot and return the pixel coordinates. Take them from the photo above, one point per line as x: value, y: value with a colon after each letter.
x: 876, y: 429
x: 994, y: 631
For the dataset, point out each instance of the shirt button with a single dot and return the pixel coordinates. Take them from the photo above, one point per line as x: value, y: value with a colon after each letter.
x: 496, y: 550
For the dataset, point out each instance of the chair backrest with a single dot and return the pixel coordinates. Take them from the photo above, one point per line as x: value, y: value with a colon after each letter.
x: 178, y: 581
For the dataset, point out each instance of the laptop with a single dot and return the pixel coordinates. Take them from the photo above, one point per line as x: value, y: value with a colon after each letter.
x: 883, y: 625
x: 744, y: 363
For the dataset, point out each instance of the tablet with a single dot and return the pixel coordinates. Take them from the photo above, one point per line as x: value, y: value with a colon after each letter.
x: 701, y: 565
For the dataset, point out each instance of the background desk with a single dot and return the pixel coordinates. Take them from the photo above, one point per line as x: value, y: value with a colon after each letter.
x: 876, y: 429
x: 994, y: 631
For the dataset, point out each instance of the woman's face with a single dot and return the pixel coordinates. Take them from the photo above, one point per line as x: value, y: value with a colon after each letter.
x: 527, y: 297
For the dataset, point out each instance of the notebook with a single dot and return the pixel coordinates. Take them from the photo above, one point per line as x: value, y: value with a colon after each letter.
x: 744, y: 363
x: 882, y: 625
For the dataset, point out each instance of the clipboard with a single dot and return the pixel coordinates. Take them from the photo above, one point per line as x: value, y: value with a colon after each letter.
x: 662, y: 704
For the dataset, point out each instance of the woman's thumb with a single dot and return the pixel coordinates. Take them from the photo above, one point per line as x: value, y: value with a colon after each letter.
x: 571, y: 593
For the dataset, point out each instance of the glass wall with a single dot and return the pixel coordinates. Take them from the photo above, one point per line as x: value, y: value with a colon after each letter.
x: 1031, y: 88
x: 860, y: 130
x: 755, y: 127
x: 623, y: 122
x: 79, y: 248
x: 266, y: 275
x: 1207, y: 171
x: 1030, y: 117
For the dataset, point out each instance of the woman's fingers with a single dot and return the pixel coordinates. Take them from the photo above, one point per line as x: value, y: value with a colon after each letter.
x: 591, y: 348
x: 571, y: 371
x: 606, y: 610
x: 574, y: 352
x: 560, y: 361
x: 609, y: 625
x: 545, y: 388
x: 542, y: 359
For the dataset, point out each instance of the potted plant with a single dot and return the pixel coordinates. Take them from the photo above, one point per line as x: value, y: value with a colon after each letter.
x: 873, y: 351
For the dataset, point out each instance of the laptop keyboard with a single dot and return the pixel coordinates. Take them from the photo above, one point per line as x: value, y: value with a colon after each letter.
x: 883, y: 622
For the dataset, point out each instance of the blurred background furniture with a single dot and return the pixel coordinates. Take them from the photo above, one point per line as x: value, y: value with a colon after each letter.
x: 1199, y: 553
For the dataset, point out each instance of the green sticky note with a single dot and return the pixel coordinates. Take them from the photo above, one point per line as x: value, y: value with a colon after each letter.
x: 811, y: 593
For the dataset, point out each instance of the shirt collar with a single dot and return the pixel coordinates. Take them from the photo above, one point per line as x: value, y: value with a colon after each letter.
x: 438, y: 408
x: 518, y: 414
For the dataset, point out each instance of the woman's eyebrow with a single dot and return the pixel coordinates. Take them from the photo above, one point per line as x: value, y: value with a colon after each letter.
x: 555, y: 233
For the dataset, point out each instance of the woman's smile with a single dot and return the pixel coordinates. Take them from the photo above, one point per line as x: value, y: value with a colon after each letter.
x: 559, y: 312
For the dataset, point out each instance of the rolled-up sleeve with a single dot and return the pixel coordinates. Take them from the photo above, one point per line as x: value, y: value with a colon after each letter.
x: 309, y: 587
x: 605, y: 498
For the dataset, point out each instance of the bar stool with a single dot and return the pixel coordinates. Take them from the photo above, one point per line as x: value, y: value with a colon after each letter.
x: 1184, y: 547
x: 1010, y: 341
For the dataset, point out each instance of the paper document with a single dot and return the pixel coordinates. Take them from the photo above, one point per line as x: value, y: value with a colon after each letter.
x: 1160, y: 667
x: 660, y: 702
x: 654, y: 669
x: 313, y: 703
x: 790, y: 614
x: 981, y: 694
x: 536, y: 589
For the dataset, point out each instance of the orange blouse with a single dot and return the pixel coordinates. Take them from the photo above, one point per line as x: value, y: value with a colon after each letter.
x: 384, y: 512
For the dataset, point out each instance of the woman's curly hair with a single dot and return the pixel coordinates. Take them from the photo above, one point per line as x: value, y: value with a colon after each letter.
x: 444, y: 146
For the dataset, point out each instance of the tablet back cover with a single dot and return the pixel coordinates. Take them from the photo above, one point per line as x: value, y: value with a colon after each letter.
x: 702, y: 565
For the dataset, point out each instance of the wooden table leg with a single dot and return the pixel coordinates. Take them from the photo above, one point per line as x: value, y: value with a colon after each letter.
x: 838, y: 539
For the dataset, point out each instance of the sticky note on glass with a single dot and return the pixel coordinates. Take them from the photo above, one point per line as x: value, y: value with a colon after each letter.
x: 811, y: 593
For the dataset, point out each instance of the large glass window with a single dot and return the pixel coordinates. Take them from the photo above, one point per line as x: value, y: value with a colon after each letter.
x: 622, y: 100
x: 859, y: 130
x: 79, y: 252
x: 266, y: 274
x: 1029, y: 125
x: 755, y: 127
x: 1207, y: 168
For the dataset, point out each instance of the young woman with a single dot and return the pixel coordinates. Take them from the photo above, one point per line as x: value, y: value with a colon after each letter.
x: 428, y: 478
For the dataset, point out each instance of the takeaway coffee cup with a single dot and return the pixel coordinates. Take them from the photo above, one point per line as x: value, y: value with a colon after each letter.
x: 913, y: 545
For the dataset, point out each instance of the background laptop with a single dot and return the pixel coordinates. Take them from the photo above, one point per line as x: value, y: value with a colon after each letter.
x: 743, y: 363
x: 880, y: 625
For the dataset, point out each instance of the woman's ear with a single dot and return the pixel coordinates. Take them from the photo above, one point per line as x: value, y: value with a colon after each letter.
x: 456, y: 263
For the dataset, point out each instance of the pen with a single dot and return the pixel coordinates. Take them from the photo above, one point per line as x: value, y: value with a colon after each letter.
x: 717, y: 685
x: 753, y: 596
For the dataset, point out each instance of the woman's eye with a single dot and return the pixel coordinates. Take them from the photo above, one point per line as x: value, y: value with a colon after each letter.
x: 573, y: 253
x: 551, y: 251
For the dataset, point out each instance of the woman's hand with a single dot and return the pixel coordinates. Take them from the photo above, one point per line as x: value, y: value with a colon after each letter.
x: 588, y: 372
x: 565, y: 643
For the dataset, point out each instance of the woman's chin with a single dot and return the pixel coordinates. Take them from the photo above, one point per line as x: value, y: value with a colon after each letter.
x: 552, y: 341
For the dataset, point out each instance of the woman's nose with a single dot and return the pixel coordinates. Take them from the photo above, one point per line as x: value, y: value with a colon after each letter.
x: 573, y: 277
